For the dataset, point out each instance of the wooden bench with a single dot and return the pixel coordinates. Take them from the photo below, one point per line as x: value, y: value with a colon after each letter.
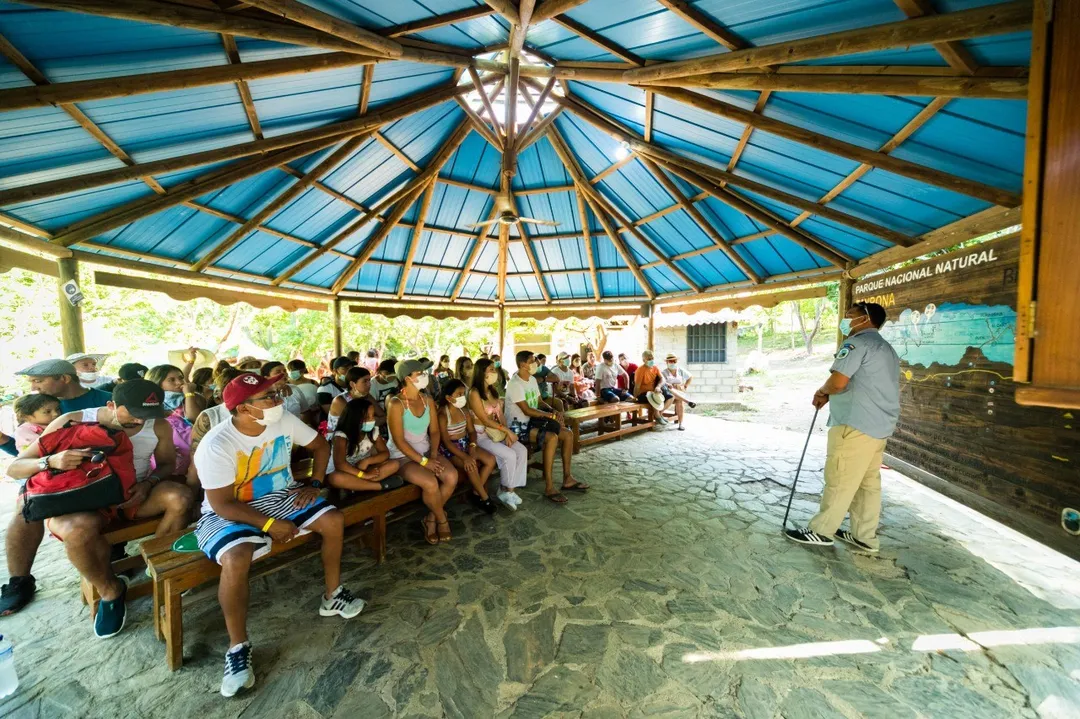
x: 609, y: 421
x: 174, y: 573
x: 121, y: 533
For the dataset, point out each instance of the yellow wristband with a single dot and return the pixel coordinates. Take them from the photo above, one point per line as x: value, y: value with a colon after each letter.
x: 423, y: 462
x: 360, y: 473
x: 190, y: 394
x: 266, y: 526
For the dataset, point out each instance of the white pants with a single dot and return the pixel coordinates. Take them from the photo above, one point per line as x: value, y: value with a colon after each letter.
x: 513, y: 461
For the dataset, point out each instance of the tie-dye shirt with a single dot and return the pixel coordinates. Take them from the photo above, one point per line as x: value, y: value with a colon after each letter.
x: 252, y: 466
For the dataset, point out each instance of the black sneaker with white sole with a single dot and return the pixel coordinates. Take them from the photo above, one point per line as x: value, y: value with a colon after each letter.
x: 805, y: 536
x: 845, y: 536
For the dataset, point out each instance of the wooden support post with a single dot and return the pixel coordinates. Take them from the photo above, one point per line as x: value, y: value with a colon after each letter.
x: 846, y: 285
x: 335, y: 313
x: 71, y: 326
x: 502, y: 328
x: 651, y: 327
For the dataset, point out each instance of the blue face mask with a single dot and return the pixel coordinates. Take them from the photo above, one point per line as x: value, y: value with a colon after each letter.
x: 367, y: 426
x: 845, y: 326
x: 650, y: 363
x: 294, y: 374
x: 498, y: 364
x: 173, y: 400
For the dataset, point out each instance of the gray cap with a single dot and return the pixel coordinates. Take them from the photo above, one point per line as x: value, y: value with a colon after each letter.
x: 48, y: 368
x: 404, y: 368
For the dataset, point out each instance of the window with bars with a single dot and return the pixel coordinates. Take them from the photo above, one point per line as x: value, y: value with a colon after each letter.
x: 706, y: 344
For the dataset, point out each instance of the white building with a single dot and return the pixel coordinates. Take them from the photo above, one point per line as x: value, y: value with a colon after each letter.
x: 707, y: 348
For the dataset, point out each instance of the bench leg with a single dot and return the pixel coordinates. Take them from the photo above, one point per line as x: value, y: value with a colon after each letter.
x: 158, y: 628
x: 89, y: 596
x: 174, y: 627
x: 378, y: 539
x: 576, y: 429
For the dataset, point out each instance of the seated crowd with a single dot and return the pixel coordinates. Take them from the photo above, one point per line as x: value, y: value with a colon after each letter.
x: 215, y: 447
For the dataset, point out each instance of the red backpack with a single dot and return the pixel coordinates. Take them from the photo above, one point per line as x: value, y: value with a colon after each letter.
x: 90, y: 486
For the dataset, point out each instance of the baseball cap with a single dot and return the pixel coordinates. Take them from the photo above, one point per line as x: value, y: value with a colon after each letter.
x: 131, y: 371
x: 141, y: 398
x: 48, y: 368
x: 245, y: 386
x: 404, y: 368
x: 342, y: 362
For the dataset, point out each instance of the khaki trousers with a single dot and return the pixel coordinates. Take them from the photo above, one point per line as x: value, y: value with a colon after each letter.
x: 852, y: 483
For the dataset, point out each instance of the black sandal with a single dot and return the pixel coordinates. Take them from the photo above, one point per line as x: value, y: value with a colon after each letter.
x: 557, y: 498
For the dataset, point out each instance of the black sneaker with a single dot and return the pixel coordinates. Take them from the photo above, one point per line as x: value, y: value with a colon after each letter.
x: 845, y: 536
x: 487, y: 506
x: 239, y: 673
x: 16, y: 594
x: 805, y: 536
x: 111, y: 615
x: 392, y: 482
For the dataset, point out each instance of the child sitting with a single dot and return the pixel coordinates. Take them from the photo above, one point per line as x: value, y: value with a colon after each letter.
x: 360, y: 460
x: 34, y: 412
x: 459, y: 443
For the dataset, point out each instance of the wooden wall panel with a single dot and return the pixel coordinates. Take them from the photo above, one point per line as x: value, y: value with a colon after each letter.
x: 952, y: 320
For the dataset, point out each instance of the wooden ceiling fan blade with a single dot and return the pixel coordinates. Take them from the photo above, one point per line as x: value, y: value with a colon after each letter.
x: 547, y: 223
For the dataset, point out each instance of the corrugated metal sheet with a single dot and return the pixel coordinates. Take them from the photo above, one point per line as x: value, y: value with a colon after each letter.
x: 977, y: 139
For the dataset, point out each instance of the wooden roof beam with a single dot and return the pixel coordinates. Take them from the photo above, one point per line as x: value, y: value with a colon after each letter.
x: 979, y: 22
x: 705, y: 24
x: 952, y: 52
x: 298, y: 12
x: 474, y: 253
x: 1004, y: 88
x: 527, y: 244
x: 437, y: 21
x: 550, y: 8
x: 597, y: 39
x: 586, y: 233
x: 817, y: 140
x: 233, y: 53
x: 414, y: 241
x: 507, y: 9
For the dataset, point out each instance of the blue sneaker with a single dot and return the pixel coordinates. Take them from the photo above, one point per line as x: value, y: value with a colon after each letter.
x: 111, y: 615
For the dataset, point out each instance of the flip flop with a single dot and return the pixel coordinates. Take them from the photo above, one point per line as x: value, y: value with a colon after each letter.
x: 186, y: 543
x: 579, y: 487
x: 557, y: 498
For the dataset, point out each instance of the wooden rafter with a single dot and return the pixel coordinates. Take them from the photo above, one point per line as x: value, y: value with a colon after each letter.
x: 474, y: 253
x: 298, y: 12
x: 507, y: 9
x: 366, y: 79
x: 650, y: 107
x: 711, y: 248
x: 386, y: 114
x: 414, y: 241
x: 233, y: 53
x: 701, y: 221
x: 920, y: 119
x: 989, y: 86
x: 611, y: 169
x: 485, y: 100
x: 820, y: 141
x: 704, y: 23
x: 952, y: 52
x: 540, y: 130
x: 286, y: 196
x: 537, y: 105
x: 586, y: 233
x: 479, y: 125
x: 597, y: 39
x: 520, y: 29
x: 589, y: 194
x: 128, y: 85
x: 396, y: 151
x: 432, y: 23
x: 965, y: 24
x: 759, y: 106
x: 550, y: 8
x: 526, y: 243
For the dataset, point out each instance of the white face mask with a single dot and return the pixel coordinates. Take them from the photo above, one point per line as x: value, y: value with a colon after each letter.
x: 272, y: 415
x: 367, y: 426
x: 672, y: 365
x: 422, y: 382
x: 88, y: 376
x: 459, y: 402
x: 492, y: 378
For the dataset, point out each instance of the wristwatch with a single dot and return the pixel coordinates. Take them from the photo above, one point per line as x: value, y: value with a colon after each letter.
x: 43, y: 463
x: 316, y: 484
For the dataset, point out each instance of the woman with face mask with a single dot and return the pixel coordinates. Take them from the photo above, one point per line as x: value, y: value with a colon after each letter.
x: 492, y: 434
x: 359, y: 460
x: 565, y: 387
x: 183, y: 404
x: 443, y: 373
x: 463, y: 370
x: 459, y: 443
x: 292, y: 400
x: 358, y: 380
x: 414, y: 442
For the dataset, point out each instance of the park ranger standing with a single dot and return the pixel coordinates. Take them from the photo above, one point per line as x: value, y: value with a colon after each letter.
x: 863, y: 392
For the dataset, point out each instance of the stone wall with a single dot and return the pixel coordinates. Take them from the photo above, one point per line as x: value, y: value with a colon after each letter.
x: 712, y: 382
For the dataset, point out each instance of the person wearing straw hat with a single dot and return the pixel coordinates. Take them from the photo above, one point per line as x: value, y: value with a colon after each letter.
x: 677, y: 381
x: 88, y: 367
x: 648, y: 382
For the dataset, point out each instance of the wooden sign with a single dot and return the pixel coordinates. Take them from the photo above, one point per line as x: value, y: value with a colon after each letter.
x: 952, y: 320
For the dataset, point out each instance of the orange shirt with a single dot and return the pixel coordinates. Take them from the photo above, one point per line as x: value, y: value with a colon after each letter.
x: 646, y: 379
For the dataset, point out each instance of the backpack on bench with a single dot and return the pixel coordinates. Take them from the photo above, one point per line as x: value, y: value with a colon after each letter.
x: 88, y: 487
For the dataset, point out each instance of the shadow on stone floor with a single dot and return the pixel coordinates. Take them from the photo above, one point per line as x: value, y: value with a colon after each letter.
x: 666, y: 591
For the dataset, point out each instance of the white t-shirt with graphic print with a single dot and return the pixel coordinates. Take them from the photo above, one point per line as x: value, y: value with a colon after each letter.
x: 520, y: 390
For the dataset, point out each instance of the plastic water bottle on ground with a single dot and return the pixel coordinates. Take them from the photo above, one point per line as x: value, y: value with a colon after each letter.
x: 9, y: 680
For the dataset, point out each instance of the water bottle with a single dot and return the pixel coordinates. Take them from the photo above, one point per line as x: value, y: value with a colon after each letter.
x: 9, y: 680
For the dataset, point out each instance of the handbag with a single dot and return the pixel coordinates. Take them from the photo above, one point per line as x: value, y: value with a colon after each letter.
x: 495, y: 435
x: 93, y: 484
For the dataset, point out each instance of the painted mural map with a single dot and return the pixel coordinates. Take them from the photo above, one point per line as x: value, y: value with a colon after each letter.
x: 942, y: 334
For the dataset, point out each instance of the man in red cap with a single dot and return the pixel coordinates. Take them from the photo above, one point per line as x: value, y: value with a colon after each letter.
x: 253, y: 500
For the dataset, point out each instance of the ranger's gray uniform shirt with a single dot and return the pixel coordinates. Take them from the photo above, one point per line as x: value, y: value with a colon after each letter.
x: 871, y: 401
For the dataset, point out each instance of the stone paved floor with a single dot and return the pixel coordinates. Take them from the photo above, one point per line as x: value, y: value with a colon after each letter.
x: 666, y: 591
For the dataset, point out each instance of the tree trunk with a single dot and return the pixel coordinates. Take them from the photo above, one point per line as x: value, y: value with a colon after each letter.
x: 228, y: 330
x: 808, y: 337
x: 760, y: 336
x: 602, y: 334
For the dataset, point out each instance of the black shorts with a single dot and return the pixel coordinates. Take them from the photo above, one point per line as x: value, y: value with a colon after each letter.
x: 643, y: 398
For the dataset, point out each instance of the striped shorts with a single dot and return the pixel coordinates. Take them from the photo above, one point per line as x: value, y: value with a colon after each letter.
x: 217, y: 535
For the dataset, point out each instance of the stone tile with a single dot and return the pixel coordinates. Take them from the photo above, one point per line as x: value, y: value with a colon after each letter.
x: 530, y: 647
x: 803, y: 703
x: 560, y: 689
x: 757, y: 700
x: 583, y: 643
x: 631, y: 676
x: 335, y: 681
x: 868, y: 699
x: 467, y: 674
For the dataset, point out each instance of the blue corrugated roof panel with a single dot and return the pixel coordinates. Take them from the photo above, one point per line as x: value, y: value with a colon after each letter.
x: 539, y: 166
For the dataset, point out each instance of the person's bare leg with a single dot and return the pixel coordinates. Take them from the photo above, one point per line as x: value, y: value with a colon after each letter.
x: 88, y: 551
x: 447, y: 484
x: 21, y: 543
x: 679, y: 411
x: 171, y: 499
x: 423, y: 478
x: 486, y: 462
x: 566, y: 439
x: 551, y: 444
x: 344, y: 480
x: 474, y: 477
x: 331, y: 527
x: 233, y: 590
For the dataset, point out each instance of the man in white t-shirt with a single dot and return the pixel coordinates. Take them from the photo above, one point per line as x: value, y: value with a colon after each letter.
x: 252, y: 500
x: 534, y: 421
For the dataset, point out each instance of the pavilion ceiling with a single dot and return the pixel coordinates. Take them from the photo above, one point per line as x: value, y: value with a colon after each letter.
x: 351, y: 147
